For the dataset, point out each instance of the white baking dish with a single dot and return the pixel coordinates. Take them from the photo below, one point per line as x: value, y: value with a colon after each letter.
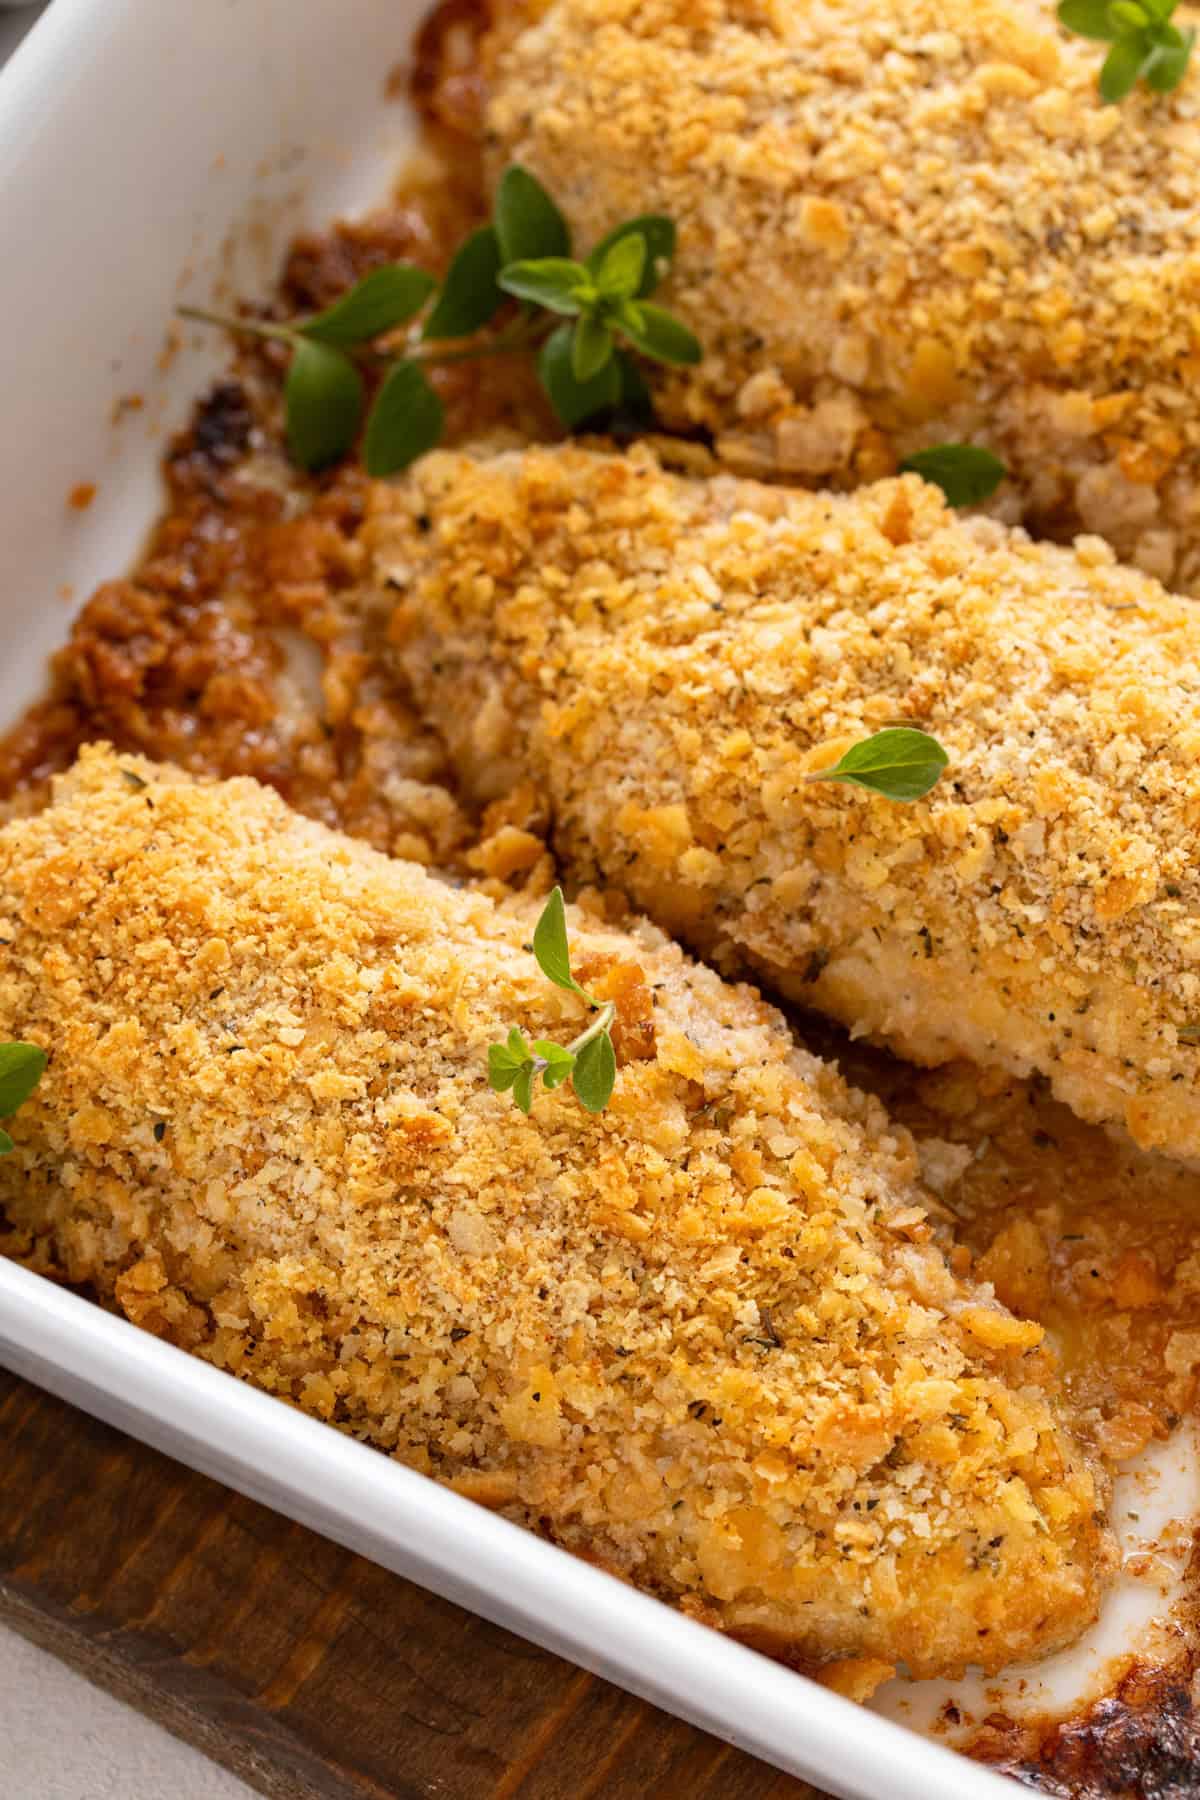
x: 151, y: 149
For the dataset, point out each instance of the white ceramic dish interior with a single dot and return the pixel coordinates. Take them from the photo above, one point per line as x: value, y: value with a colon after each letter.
x: 149, y: 152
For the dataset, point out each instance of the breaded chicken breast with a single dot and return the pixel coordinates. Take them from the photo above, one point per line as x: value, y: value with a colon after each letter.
x: 900, y: 222
x: 669, y: 660
x: 706, y: 1337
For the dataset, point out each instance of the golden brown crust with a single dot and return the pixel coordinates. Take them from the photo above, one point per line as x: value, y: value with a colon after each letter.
x: 668, y: 660
x: 899, y: 223
x: 706, y: 1338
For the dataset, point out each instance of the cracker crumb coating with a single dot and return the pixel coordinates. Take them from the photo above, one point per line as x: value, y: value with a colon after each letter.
x: 669, y: 660
x: 707, y: 1338
x: 900, y: 222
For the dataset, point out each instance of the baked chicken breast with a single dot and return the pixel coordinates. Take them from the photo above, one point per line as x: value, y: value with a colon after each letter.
x: 707, y: 1337
x: 668, y: 661
x: 900, y: 222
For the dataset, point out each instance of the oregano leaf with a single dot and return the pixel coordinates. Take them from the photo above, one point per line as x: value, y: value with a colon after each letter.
x: 528, y: 223
x: 900, y: 763
x: 657, y: 233
x: 21, y: 1068
x: 588, y: 1060
x: 502, y: 1070
x: 470, y: 294
x: 1128, y: 15
x: 324, y: 398
x: 619, y: 276
x: 549, y: 281
x: 1169, y: 63
x: 966, y: 473
x: 550, y: 944
x: 1123, y: 65
x: 591, y: 348
x: 595, y: 1072
x: 575, y: 402
x: 658, y: 333
x: 406, y: 420
x: 1145, y: 46
x: 522, y: 1091
x: 1088, y: 18
x: 559, y: 1062
x: 382, y: 300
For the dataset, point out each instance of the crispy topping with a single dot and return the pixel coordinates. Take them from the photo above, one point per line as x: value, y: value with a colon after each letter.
x: 670, y: 661
x: 899, y: 224
x: 565, y: 1315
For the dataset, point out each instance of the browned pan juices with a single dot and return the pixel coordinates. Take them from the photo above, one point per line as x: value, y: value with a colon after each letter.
x: 232, y: 648
x: 1102, y: 1245
x: 238, y: 646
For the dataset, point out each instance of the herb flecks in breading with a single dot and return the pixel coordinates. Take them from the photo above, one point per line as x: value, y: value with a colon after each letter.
x: 524, y: 254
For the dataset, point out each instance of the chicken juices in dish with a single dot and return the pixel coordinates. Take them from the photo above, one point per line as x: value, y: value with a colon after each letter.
x: 900, y: 222
x: 671, y: 662
x: 708, y: 1337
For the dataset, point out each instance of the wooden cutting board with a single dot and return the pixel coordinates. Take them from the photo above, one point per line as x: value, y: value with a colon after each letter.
x: 311, y: 1673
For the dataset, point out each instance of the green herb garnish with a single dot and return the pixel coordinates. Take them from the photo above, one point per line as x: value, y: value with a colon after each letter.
x: 470, y: 297
x: 382, y: 300
x: 965, y: 473
x: 1145, y: 45
x: 21, y: 1068
x: 526, y: 219
x: 523, y: 254
x: 324, y: 398
x: 588, y: 1060
x: 604, y: 298
x: 899, y: 763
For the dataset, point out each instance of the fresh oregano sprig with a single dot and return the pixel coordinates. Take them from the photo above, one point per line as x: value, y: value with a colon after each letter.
x: 900, y: 763
x: 524, y: 253
x: 605, y: 297
x: 21, y: 1068
x: 588, y: 1060
x: 966, y: 473
x: 1145, y: 46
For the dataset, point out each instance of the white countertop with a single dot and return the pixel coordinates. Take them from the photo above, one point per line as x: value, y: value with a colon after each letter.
x: 67, y: 1740
x: 62, y: 1738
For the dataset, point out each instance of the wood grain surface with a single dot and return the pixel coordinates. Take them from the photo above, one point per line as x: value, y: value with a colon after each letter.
x: 311, y: 1673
